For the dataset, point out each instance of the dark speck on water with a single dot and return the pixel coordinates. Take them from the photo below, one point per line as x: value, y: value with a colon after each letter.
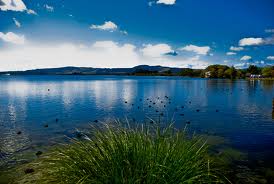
x: 56, y: 119
x: 28, y: 170
x: 96, y: 121
x: 38, y: 153
x: 46, y: 125
x: 19, y: 132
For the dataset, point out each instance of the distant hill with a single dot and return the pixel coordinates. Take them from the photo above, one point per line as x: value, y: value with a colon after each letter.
x: 137, y: 70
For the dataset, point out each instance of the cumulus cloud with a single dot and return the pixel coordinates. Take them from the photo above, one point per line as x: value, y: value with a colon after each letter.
x: 12, y: 5
x: 242, y: 65
x: 13, y: 38
x: 246, y: 58
x: 231, y: 53
x: 198, y: 50
x: 100, y: 54
x: 236, y: 48
x: 16, y: 22
x: 157, y: 50
x: 107, y: 26
x: 256, y: 41
x: 270, y: 58
x: 15, y: 5
x: 251, y: 41
x: 49, y: 8
x: 166, y: 2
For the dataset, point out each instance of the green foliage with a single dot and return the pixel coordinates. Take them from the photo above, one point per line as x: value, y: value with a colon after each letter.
x: 252, y: 69
x: 222, y: 71
x: 118, y: 154
x: 268, y: 71
x: 191, y: 72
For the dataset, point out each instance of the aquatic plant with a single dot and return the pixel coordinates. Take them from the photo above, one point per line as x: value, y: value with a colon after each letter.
x: 116, y: 153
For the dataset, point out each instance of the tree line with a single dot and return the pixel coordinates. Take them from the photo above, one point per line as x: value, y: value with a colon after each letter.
x: 223, y: 71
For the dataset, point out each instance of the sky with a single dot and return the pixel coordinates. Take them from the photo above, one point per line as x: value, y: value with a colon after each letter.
x: 126, y: 33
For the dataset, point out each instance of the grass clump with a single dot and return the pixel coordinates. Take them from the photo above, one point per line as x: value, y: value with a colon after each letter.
x: 122, y: 154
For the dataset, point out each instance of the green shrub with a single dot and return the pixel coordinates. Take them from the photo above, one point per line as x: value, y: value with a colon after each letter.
x: 122, y: 154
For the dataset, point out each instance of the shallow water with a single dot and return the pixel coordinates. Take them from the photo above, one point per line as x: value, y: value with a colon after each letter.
x: 68, y: 103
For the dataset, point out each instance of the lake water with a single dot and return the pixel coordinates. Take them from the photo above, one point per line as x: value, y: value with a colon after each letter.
x: 240, y: 111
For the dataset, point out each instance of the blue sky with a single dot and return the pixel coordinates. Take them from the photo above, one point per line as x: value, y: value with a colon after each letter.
x: 123, y: 33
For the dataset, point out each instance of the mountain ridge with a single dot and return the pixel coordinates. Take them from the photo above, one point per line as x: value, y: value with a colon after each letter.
x: 71, y: 70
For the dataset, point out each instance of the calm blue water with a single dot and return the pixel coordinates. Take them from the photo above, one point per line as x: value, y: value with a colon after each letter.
x: 28, y: 103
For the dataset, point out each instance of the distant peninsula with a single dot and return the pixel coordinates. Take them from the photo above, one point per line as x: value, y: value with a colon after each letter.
x: 212, y: 71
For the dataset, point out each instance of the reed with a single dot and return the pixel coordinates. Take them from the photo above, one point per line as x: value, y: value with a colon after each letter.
x: 139, y: 154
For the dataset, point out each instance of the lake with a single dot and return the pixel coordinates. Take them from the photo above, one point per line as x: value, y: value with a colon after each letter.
x: 38, y: 111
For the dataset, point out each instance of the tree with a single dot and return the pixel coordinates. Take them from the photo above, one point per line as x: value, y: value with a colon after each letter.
x: 268, y: 71
x: 187, y: 72
x: 252, y: 69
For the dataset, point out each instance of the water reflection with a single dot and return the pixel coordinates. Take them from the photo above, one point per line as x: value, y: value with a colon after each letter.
x: 239, y: 110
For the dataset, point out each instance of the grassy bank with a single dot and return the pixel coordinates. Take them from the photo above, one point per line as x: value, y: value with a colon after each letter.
x: 123, y: 154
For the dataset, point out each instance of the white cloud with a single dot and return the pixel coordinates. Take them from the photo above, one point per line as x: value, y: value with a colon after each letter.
x: 270, y: 58
x: 157, y: 50
x: 101, y: 54
x: 49, y: 8
x: 12, y: 5
x: 31, y: 12
x: 231, y: 53
x: 11, y: 37
x: 107, y: 26
x: 198, y: 50
x: 246, y: 58
x: 236, y: 48
x: 16, y: 22
x: 15, y: 5
x: 166, y: 2
x: 242, y: 65
x: 251, y: 41
x: 269, y: 30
